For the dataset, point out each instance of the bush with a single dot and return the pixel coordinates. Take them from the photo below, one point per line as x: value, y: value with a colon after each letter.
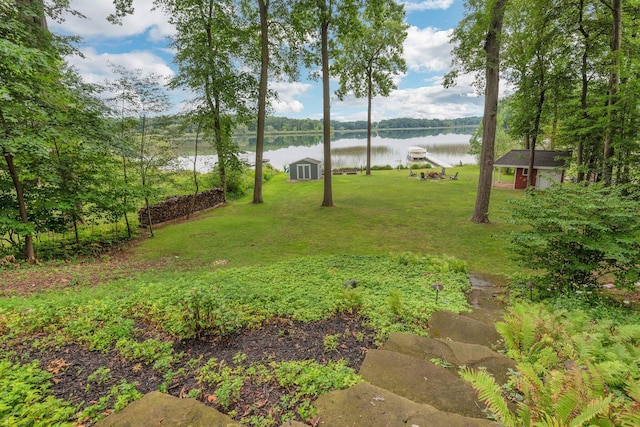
x: 579, y: 235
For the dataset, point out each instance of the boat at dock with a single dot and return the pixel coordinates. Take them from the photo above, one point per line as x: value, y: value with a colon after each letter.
x: 415, y: 153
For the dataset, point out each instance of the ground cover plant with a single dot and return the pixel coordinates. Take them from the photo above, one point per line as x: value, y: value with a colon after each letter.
x: 219, y: 336
x: 577, y: 365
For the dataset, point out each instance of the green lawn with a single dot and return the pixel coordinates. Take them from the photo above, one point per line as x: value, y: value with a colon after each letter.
x: 386, y: 212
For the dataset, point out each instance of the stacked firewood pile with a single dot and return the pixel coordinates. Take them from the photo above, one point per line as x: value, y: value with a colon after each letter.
x: 175, y: 207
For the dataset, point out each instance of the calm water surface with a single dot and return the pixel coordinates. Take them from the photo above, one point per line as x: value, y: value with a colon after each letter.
x: 349, y: 150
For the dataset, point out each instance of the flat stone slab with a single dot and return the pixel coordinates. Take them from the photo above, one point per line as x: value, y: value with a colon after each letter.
x: 455, y: 327
x: 421, y: 381
x: 367, y: 405
x: 453, y: 352
x: 158, y: 409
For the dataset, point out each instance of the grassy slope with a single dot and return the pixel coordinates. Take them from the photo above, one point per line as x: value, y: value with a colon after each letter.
x: 378, y: 214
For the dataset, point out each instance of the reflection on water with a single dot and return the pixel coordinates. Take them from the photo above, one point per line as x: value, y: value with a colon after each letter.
x: 388, y: 147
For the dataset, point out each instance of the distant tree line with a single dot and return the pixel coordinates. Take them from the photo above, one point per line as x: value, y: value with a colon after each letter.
x: 285, y: 124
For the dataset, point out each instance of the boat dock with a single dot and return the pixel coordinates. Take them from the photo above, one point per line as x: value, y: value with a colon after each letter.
x: 437, y: 162
x: 419, y: 153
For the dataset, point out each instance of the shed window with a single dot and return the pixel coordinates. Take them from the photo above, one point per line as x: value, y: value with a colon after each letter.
x: 525, y: 171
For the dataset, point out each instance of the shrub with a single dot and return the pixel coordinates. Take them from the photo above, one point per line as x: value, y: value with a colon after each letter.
x: 577, y: 235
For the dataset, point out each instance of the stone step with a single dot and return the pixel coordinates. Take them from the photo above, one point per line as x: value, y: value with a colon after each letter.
x: 422, y: 382
x: 158, y: 409
x: 453, y: 353
x: 486, y: 299
x: 450, y: 326
x: 368, y: 405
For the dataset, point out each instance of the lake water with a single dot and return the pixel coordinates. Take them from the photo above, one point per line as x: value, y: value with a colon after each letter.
x: 348, y: 150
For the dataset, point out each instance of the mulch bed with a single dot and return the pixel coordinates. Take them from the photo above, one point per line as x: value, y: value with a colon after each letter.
x: 281, y: 340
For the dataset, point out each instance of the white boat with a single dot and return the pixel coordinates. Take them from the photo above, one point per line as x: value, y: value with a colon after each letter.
x: 416, y: 153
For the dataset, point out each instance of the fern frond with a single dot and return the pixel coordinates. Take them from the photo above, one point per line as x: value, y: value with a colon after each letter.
x: 592, y: 410
x: 491, y: 394
x: 633, y: 389
x: 594, y: 381
x: 614, y: 372
x: 548, y: 421
x: 529, y: 382
x: 630, y: 420
x: 626, y: 333
x: 566, y: 404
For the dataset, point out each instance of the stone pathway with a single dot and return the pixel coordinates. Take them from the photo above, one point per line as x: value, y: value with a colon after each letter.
x: 409, y: 381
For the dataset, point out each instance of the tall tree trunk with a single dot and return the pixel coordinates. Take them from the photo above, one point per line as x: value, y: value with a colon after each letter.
x: 41, y: 21
x: 614, y: 82
x: 124, y: 199
x: 143, y: 175
x: 220, y: 146
x: 262, y: 97
x: 489, y: 120
x: 534, y: 140
x: 326, y: 108
x: 195, y: 170
x: 584, y: 92
x: 369, y: 100
x: 22, y: 207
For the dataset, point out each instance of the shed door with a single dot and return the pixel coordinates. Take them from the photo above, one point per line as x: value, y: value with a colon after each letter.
x: 304, y: 171
x: 547, y: 178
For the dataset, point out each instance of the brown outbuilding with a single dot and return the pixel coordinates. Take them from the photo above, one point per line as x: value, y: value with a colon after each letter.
x: 548, y: 168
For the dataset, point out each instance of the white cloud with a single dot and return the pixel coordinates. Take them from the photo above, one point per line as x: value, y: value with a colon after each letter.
x: 96, y: 26
x: 427, y: 49
x: 94, y: 67
x: 431, y: 102
x: 288, y: 92
x: 419, y: 6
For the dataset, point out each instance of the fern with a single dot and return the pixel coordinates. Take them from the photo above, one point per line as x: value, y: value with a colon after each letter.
x: 529, y: 382
x: 614, y: 372
x: 491, y: 394
x: 548, y: 421
x: 629, y: 333
x: 633, y: 389
x: 566, y: 404
x: 593, y: 409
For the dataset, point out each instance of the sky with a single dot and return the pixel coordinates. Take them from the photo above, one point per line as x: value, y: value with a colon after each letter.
x: 142, y: 43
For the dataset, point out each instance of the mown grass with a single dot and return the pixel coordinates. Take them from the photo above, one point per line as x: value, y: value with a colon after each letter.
x: 386, y: 212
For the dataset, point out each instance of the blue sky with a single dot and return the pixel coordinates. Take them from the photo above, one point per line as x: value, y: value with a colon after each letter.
x: 141, y: 42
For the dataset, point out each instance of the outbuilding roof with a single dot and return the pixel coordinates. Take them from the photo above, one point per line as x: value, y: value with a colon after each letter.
x: 543, y: 159
x: 308, y: 160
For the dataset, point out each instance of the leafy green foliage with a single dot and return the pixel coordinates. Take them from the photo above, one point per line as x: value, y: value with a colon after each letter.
x: 305, y: 381
x: 151, y: 351
x: 313, y: 379
x: 26, y: 400
x: 572, y: 370
x: 578, y: 235
x: 118, y: 397
x: 226, y: 301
